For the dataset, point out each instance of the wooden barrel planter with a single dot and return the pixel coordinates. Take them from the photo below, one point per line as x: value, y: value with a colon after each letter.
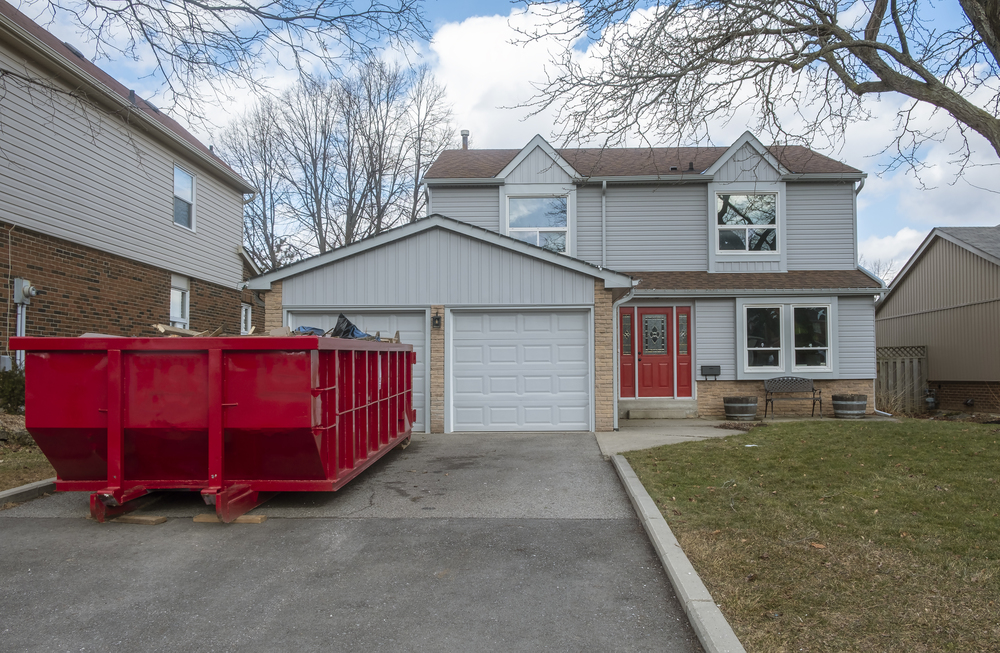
x: 741, y: 409
x: 849, y: 406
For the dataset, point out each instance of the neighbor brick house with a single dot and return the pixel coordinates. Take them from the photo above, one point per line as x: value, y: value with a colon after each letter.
x: 116, y: 215
x: 947, y: 299
x: 562, y: 289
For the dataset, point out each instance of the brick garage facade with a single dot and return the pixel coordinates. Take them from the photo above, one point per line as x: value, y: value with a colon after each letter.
x: 604, y: 386
x: 710, y: 394
x: 952, y: 395
x: 437, y: 371
x: 84, y: 290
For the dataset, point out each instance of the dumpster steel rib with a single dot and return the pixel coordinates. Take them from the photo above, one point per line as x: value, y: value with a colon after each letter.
x: 236, y: 418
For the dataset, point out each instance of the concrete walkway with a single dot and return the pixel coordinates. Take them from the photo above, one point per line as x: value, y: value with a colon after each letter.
x: 462, y: 542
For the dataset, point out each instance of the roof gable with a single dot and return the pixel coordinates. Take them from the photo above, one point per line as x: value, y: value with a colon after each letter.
x: 747, y: 140
x: 538, y: 143
x: 611, y: 278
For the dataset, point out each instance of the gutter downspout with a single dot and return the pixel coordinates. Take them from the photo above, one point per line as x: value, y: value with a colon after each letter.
x: 615, y: 371
x: 604, y: 224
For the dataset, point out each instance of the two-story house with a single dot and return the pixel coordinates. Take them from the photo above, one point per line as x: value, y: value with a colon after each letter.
x: 562, y: 289
x: 116, y: 215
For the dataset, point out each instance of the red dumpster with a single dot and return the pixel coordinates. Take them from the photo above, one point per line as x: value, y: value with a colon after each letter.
x: 237, y: 418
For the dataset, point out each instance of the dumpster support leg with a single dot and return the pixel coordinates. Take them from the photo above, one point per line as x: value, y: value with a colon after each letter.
x: 235, y: 500
x: 105, y: 505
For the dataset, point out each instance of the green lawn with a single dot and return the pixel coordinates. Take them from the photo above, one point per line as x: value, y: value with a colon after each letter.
x: 842, y: 536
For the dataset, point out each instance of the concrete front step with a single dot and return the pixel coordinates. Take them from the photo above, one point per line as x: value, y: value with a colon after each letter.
x: 658, y: 408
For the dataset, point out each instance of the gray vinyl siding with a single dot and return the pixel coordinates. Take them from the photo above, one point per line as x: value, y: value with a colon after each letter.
x: 438, y: 267
x: 856, y: 337
x: 655, y: 228
x: 748, y: 266
x: 819, y: 226
x: 478, y: 205
x: 81, y: 175
x: 537, y: 168
x: 588, y: 224
x: 715, y: 336
x: 949, y: 302
x: 746, y: 165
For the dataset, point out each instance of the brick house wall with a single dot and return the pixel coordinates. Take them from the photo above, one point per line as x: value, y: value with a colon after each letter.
x: 273, y: 317
x: 710, y: 394
x: 952, y: 395
x: 84, y: 290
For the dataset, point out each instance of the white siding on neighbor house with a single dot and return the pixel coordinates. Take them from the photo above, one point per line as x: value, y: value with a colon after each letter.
x: 438, y: 267
x: 819, y: 226
x: 856, y: 337
x: 90, y: 179
x: 715, y: 336
x: 478, y: 205
x: 653, y: 228
x: 588, y: 224
x: 538, y: 168
x: 747, y: 165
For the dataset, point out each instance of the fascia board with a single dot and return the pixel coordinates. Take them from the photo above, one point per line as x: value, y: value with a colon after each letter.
x: 462, y: 181
x: 697, y: 178
x: 747, y: 292
x: 611, y: 278
x: 747, y: 137
x: 825, y: 176
x: 538, y: 141
x: 117, y: 103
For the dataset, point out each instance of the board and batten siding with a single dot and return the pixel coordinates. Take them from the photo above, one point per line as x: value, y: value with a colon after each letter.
x: 950, y: 303
x: 92, y: 180
x: 653, y: 228
x: 715, y: 336
x: 856, y: 337
x: 438, y: 267
x: 748, y: 266
x: 819, y: 226
x: 538, y: 168
x: 477, y: 205
x: 746, y: 165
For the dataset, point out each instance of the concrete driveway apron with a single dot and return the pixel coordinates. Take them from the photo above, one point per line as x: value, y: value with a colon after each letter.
x: 462, y: 542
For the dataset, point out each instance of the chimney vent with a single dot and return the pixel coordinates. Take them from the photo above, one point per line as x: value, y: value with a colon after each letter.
x: 690, y: 166
x: 465, y: 139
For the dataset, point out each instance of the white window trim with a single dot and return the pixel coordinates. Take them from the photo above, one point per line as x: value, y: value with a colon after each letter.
x: 787, y: 354
x: 246, y: 318
x: 744, y: 228
x: 182, y: 284
x: 194, y: 198
x: 782, y: 335
x: 541, y: 190
x: 716, y: 255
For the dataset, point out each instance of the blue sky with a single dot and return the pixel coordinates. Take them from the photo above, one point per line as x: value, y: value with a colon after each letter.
x: 472, y: 55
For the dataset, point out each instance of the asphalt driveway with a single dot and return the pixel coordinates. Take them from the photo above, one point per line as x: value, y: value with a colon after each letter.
x: 462, y: 542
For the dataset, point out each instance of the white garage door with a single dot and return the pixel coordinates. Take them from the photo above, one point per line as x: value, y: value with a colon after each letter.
x: 411, y: 331
x: 520, y: 371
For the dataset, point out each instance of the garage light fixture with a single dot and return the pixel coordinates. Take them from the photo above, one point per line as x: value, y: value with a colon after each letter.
x: 436, y: 321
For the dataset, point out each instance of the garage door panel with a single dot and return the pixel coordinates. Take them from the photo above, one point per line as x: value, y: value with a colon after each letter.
x: 469, y: 354
x: 411, y: 327
x: 535, y: 366
x: 469, y: 385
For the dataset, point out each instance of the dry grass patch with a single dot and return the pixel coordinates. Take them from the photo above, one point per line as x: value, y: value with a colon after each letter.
x: 842, y: 536
x: 21, y: 461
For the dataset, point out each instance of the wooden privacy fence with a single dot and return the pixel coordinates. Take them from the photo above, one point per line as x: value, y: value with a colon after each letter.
x: 902, y: 378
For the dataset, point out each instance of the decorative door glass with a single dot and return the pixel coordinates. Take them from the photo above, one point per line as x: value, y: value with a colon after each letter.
x: 682, y: 335
x: 654, y: 334
x: 627, y: 335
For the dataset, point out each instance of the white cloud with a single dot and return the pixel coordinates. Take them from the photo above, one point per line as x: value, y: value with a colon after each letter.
x: 896, y: 247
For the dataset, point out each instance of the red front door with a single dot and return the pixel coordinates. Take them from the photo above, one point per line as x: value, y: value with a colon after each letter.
x: 654, y: 354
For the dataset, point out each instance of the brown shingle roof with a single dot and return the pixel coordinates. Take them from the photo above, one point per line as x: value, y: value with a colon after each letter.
x: 626, y: 162
x: 791, y: 280
x: 85, y: 66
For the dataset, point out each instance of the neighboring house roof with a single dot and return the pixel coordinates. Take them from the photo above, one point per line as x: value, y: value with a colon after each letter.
x: 47, y: 50
x: 717, y: 283
x: 628, y: 162
x: 611, y: 278
x: 982, y: 241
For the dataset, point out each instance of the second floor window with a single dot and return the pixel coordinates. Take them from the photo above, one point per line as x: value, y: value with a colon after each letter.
x: 541, y: 221
x: 183, y: 198
x: 747, y: 223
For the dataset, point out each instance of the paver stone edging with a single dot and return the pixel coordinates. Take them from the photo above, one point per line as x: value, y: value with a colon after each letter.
x: 714, y: 632
x: 29, y: 491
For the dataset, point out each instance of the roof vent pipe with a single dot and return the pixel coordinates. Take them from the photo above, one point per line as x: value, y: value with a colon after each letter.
x: 465, y: 139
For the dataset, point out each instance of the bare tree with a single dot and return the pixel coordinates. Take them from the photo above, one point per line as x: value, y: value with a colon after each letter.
x: 197, y: 43
x: 884, y: 269
x: 254, y: 145
x: 666, y: 72
x: 429, y: 134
